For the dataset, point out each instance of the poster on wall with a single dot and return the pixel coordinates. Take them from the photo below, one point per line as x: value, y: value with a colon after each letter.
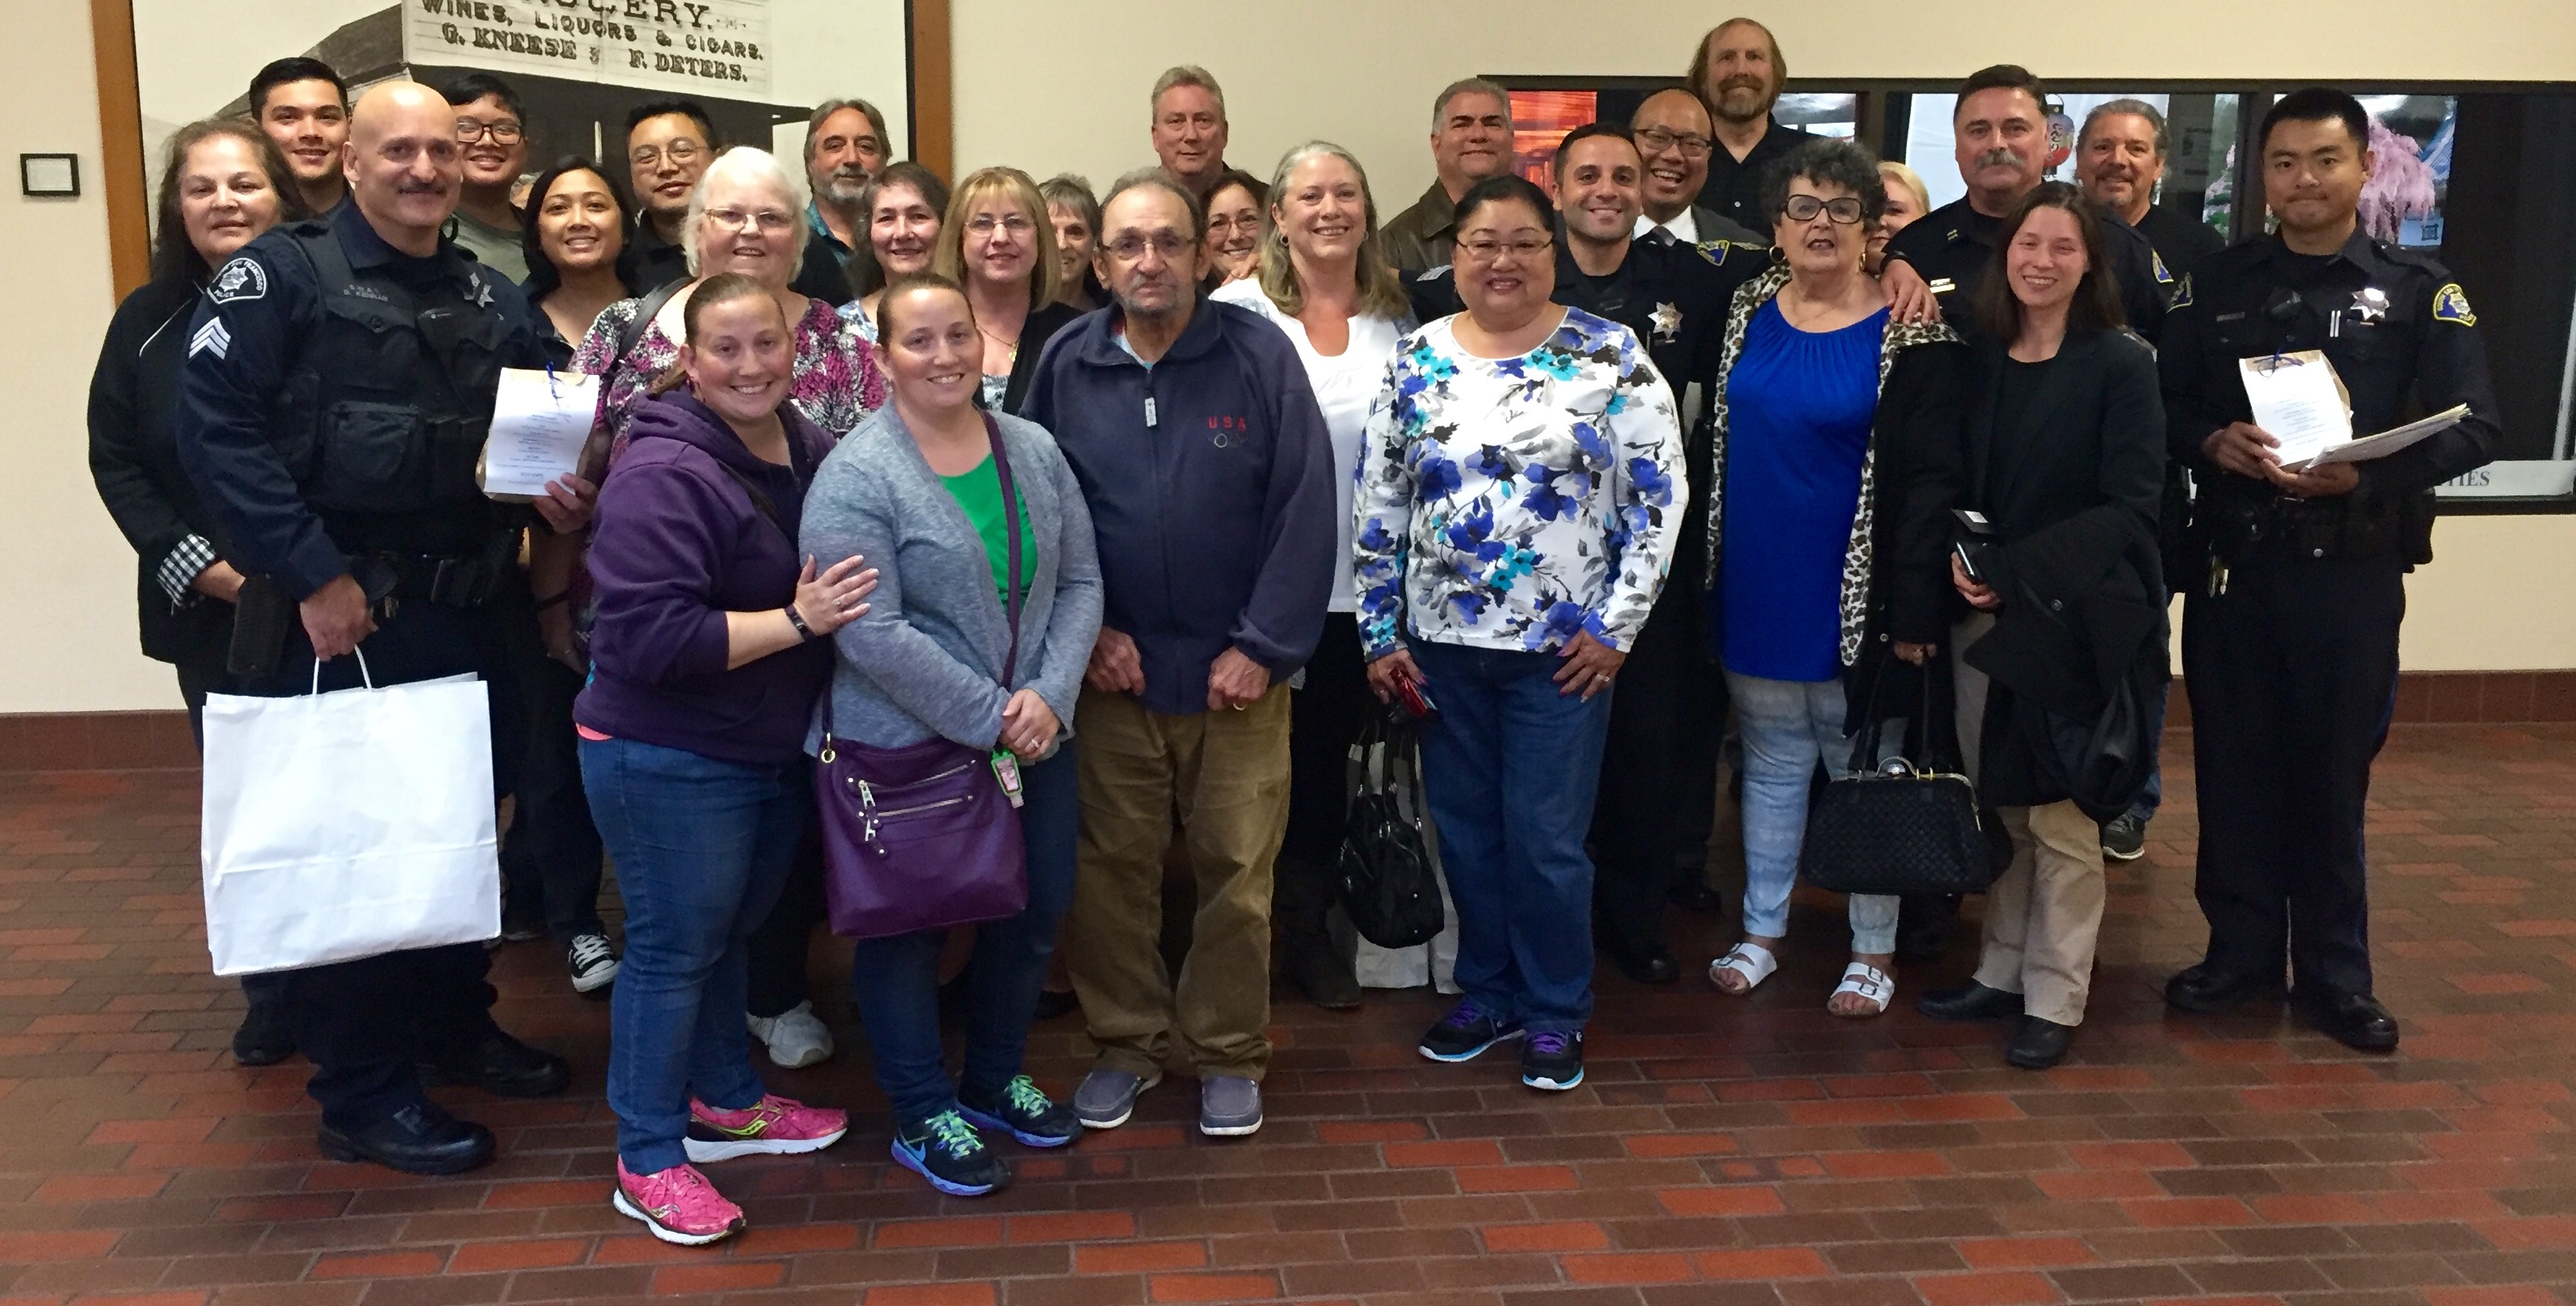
x: 757, y: 66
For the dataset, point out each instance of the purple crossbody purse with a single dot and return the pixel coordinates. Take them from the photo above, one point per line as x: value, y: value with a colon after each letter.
x: 925, y: 836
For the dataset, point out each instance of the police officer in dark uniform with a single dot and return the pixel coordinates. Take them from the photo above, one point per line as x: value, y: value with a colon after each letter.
x: 2002, y: 128
x: 2290, y: 624
x: 339, y: 382
x: 1659, y: 766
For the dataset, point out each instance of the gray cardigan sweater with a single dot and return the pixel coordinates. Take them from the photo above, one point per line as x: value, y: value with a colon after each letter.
x: 927, y: 658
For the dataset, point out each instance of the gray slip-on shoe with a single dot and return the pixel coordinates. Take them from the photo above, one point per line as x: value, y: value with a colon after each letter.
x: 1229, y: 1106
x: 1107, y: 1097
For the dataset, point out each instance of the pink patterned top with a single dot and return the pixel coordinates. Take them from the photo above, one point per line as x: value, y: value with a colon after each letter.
x: 837, y: 382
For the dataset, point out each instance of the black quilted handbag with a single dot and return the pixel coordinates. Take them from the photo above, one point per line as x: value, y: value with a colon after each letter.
x: 1896, y: 828
x: 1388, y: 883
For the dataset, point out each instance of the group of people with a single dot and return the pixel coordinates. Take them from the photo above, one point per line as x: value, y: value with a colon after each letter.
x: 1217, y: 470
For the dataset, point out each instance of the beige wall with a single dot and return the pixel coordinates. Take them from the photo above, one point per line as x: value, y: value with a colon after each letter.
x: 1061, y: 86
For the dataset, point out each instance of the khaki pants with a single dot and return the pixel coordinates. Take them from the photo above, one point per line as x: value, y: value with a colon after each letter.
x: 1224, y: 775
x: 2044, y: 914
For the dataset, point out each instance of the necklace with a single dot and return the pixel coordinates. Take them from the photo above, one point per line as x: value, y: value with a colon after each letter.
x: 1011, y: 346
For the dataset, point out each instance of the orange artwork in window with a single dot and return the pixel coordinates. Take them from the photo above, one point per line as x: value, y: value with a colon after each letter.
x: 1540, y: 119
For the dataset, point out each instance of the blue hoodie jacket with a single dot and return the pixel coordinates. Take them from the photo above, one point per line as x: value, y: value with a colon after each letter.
x: 1210, y: 481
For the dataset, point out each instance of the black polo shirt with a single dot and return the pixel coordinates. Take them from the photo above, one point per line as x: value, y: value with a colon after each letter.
x: 1734, y: 186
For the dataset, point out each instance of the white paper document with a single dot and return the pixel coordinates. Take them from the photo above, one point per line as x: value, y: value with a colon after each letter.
x: 539, y: 422
x: 2299, y: 400
x: 2393, y: 439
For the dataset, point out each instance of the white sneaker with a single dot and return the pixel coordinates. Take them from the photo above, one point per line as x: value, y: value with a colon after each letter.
x: 795, y: 1037
x: 593, y: 963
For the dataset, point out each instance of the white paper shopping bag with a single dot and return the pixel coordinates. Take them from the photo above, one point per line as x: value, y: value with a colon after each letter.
x: 348, y: 824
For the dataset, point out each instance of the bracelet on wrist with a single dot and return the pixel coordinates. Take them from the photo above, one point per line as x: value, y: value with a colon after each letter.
x: 797, y: 619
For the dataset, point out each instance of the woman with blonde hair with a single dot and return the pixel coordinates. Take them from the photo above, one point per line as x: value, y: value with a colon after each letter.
x: 998, y: 243
x: 1907, y: 199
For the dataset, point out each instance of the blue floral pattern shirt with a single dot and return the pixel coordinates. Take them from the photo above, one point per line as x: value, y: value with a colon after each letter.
x: 1511, y: 503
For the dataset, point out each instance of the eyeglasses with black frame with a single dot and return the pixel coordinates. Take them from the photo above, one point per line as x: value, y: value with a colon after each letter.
x: 1804, y: 208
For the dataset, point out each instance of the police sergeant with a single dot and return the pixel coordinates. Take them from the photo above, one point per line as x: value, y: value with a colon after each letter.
x: 339, y: 382
x: 2290, y: 618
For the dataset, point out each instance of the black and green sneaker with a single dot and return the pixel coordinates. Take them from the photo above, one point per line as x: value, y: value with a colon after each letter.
x: 1025, y: 1113
x: 949, y: 1153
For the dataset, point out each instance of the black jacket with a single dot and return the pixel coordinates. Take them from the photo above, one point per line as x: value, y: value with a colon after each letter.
x: 134, y: 457
x: 2073, y: 491
x: 1040, y: 328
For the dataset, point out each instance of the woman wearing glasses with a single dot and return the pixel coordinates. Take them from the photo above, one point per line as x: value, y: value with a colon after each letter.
x: 998, y: 244
x: 1823, y: 406
x: 1521, y: 482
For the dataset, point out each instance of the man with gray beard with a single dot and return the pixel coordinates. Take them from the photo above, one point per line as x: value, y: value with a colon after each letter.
x: 845, y: 148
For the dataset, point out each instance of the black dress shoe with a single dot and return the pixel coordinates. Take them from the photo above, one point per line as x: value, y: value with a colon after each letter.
x: 2355, y: 1020
x: 1322, y: 973
x: 1973, y: 1002
x: 1923, y: 924
x: 503, y: 1066
x: 263, y: 1039
x: 2205, y: 990
x: 418, y: 1139
x: 2039, y: 1043
x: 1650, y: 964
x: 1693, y: 895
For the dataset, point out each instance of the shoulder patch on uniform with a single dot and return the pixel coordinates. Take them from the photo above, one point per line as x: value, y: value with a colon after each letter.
x: 2182, y: 293
x: 1433, y: 274
x: 1715, y: 251
x: 2451, y: 304
x: 2157, y: 261
x: 211, y: 338
x: 243, y: 278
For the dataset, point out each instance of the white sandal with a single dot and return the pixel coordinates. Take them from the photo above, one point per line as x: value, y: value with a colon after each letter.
x: 1869, y: 982
x: 1748, y: 959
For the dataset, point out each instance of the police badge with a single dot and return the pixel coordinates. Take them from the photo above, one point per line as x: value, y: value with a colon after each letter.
x: 2370, y: 303
x: 1668, y: 323
x: 240, y: 279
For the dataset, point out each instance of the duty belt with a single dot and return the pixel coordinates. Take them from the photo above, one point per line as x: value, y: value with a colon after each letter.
x: 461, y: 581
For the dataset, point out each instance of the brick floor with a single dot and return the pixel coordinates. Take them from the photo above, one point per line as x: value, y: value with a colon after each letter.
x: 1722, y: 1152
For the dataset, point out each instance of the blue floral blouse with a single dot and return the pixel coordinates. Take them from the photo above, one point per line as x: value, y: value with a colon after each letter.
x: 1511, y: 503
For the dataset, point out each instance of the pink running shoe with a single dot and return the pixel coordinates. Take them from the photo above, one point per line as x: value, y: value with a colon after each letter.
x: 677, y: 1204
x: 773, y: 1125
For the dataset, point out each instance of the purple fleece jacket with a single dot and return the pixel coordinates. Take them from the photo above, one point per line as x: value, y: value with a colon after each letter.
x: 677, y: 544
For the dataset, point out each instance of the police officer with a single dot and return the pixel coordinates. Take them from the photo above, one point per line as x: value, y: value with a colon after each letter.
x: 2001, y: 129
x: 339, y: 381
x: 1659, y: 767
x: 2290, y: 625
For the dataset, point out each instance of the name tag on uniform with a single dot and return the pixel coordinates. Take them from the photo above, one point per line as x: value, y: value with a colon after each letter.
x: 1943, y: 285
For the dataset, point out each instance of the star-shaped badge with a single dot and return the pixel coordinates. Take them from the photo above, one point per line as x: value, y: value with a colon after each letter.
x: 1668, y: 322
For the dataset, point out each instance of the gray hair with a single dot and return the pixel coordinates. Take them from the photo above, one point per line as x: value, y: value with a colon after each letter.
x: 876, y: 119
x: 1161, y: 179
x: 1380, y: 291
x: 1465, y: 86
x: 1067, y: 190
x: 2155, y: 121
x: 752, y: 166
x: 1184, y: 75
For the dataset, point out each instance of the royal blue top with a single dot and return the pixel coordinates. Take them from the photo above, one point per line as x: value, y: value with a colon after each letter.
x: 1799, y: 406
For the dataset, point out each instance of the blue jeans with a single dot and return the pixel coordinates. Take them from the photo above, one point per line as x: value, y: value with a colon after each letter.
x: 2153, y: 796
x: 1510, y: 771
x: 701, y: 847
x: 1788, y: 727
x: 896, y: 979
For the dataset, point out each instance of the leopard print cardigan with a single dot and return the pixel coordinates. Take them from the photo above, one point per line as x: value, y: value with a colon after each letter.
x: 1857, y: 554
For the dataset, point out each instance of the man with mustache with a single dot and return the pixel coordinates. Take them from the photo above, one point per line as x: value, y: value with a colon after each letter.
x: 491, y: 134
x: 1671, y: 128
x: 845, y: 148
x: 2001, y: 123
x: 2119, y: 158
x: 339, y: 381
x: 1471, y: 139
x: 668, y: 144
x: 1209, y: 474
x: 1738, y: 73
x: 304, y: 106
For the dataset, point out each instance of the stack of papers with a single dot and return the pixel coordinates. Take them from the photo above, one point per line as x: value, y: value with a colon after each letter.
x: 2298, y: 400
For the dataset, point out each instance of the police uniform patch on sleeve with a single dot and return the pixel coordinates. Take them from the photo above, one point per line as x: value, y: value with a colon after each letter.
x: 2157, y: 261
x: 2182, y: 294
x: 1715, y: 251
x: 1433, y: 274
x: 243, y: 278
x: 2451, y: 304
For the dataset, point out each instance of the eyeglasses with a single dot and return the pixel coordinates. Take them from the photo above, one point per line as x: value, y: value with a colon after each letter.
x: 1804, y: 208
x: 682, y: 152
x: 1655, y: 140
x: 470, y: 130
x: 1129, y: 248
x: 736, y: 219
x: 984, y: 224
x: 1486, y: 251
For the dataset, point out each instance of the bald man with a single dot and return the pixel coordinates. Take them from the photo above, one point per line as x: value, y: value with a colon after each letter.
x: 1672, y: 130
x: 338, y: 385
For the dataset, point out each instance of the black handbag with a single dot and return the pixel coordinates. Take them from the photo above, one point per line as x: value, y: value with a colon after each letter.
x: 1388, y: 883
x: 1897, y: 828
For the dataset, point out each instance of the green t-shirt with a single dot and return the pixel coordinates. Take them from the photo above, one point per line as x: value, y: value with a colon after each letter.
x: 979, y: 492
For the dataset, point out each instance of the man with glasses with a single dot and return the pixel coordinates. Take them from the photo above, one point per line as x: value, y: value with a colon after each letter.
x: 1209, y: 475
x: 668, y: 143
x: 1471, y: 139
x: 1671, y: 129
x: 845, y: 148
x: 491, y: 136
x: 1738, y: 73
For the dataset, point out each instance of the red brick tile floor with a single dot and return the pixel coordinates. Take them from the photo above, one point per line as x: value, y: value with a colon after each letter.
x: 1721, y: 1152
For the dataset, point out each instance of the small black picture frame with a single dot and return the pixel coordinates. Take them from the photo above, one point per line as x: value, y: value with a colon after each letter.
x: 49, y: 176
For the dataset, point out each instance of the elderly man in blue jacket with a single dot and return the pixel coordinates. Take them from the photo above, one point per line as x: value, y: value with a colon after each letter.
x: 1198, y: 444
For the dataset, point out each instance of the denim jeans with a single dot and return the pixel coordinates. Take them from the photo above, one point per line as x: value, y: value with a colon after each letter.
x: 701, y: 847
x: 896, y: 979
x: 2153, y: 796
x: 1510, y: 772
x: 1788, y: 727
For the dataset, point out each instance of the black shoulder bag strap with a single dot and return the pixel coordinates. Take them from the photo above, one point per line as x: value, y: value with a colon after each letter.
x: 632, y: 334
